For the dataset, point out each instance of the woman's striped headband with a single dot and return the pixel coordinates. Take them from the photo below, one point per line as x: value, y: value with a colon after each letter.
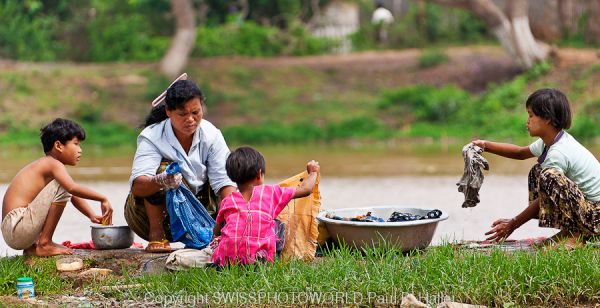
x: 161, y: 98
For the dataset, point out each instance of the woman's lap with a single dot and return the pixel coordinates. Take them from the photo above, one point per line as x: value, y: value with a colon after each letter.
x: 137, y: 218
x: 562, y: 203
x: 135, y: 209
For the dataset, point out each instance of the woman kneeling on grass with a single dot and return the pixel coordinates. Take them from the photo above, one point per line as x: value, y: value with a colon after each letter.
x: 175, y: 131
x: 564, y: 185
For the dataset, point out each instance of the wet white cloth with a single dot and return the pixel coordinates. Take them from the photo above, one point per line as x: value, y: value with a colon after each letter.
x: 206, y: 158
x: 183, y: 259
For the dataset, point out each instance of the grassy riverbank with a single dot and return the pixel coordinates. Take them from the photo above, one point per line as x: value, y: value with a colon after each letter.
x: 362, y: 97
x: 343, y: 276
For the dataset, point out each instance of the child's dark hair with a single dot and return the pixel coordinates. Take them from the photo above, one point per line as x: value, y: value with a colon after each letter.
x: 62, y: 130
x: 177, y: 95
x: 551, y: 104
x: 243, y: 164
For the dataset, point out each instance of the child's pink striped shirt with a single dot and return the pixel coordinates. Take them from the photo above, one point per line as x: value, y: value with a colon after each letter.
x: 249, y: 229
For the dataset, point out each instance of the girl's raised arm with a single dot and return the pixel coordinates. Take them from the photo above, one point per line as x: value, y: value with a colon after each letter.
x: 504, y: 149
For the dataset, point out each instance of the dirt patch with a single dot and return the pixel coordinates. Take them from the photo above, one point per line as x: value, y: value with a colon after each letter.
x: 119, y: 261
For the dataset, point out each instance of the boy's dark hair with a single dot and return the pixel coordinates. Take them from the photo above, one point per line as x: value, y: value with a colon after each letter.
x: 177, y: 95
x: 243, y: 164
x: 551, y: 104
x: 62, y: 130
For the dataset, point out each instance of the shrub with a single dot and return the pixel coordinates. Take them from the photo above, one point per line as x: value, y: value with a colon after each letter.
x: 587, y: 121
x: 425, y: 102
x: 431, y: 58
x: 438, y: 25
x: 123, y: 38
x: 250, y: 39
x: 26, y: 34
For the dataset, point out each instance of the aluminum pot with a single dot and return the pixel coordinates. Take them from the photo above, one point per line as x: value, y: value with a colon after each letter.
x: 112, y: 237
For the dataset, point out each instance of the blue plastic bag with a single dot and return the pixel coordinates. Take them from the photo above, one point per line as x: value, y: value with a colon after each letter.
x: 191, y: 223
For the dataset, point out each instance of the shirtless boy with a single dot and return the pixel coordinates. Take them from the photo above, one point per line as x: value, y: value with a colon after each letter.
x: 38, y: 194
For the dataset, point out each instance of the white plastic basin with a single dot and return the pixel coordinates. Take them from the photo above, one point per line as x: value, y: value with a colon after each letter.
x: 407, y: 235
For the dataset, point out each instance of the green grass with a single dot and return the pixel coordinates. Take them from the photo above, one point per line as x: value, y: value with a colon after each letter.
x: 444, y: 272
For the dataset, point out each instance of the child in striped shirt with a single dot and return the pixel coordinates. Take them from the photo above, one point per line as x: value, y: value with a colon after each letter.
x: 245, y: 224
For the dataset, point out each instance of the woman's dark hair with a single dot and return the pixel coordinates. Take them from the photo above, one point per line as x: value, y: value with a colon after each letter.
x: 62, y: 130
x: 243, y: 164
x: 551, y: 104
x: 177, y: 95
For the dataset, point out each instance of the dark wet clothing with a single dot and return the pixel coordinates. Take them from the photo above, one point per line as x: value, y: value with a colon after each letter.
x: 562, y: 204
x: 472, y: 178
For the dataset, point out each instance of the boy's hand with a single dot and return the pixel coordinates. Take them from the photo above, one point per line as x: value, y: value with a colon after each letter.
x: 97, y: 219
x: 107, y: 212
x: 313, y: 166
x: 168, y: 181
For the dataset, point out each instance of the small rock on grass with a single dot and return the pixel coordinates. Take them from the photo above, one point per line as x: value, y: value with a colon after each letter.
x: 97, y: 273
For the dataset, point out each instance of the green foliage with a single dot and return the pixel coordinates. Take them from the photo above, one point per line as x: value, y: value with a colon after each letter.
x: 428, y: 111
x: 426, y: 103
x: 110, y: 134
x: 23, y: 137
x: 539, y: 70
x: 301, y: 132
x: 436, y: 25
x: 231, y: 39
x: 430, y: 58
x: 102, y: 134
x: 274, y: 12
x: 124, y: 37
x: 587, y: 121
x: 27, y: 33
x: 250, y: 39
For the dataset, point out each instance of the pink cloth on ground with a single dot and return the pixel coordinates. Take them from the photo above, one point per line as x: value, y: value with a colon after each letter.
x: 249, y: 228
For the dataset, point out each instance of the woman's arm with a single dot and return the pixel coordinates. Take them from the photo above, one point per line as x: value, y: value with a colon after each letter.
x: 504, y: 149
x: 502, y: 228
x: 144, y: 186
x: 215, y: 167
x: 225, y: 191
x: 145, y: 163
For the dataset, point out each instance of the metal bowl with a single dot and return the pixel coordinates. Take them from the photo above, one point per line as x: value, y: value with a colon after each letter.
x: 407, y: 235
x: 112, y: 237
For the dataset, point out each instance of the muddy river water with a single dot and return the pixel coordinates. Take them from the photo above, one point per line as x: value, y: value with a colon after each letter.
x: 362, y: 179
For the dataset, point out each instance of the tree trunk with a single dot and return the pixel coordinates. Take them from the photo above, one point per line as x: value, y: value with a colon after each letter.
x: 421, y: 18
x: 203, y: 9
x: 174, y: 61
x: 396, y: 8
x: 527, y: 49
x: 593, y: 26
x: 566, y: 14
x: 511, y: 28
x: 244, y: 9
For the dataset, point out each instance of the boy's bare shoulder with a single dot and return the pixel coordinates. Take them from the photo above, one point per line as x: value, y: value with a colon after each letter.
x: 47, y: 162
x: 42, y: 166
